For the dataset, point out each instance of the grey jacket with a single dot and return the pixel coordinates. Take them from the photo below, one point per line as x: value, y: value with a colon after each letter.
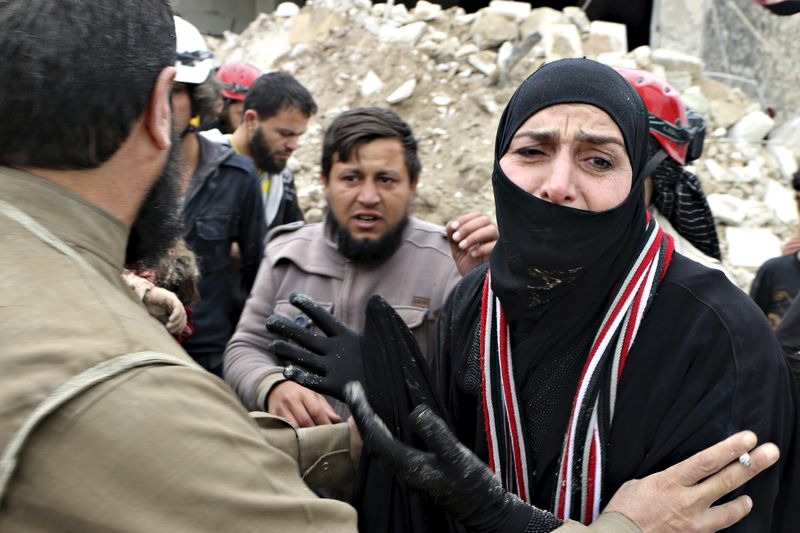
x: 415, y: 280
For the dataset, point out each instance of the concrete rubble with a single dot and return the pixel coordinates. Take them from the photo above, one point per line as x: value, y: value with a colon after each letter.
x: 449, y: 74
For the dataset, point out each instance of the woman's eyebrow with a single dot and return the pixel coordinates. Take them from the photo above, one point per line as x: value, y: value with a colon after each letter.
x: 539, y: 135
x: 596, y: 138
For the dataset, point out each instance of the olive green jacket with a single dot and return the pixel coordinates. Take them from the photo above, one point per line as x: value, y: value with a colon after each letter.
x: 156, y: 448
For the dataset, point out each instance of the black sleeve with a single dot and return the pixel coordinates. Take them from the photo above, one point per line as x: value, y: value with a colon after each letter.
x: 293, y: 211
x: 289, y: 210
x: 761, y: 288
x: 252, y: 230
x: 788, y: 333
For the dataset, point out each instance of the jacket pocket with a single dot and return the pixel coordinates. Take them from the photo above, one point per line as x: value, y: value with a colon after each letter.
x: 422, y: 324
x: 411, y: 315
x: 213, y: 242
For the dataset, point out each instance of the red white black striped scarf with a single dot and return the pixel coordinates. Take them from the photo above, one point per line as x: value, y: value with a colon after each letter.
x: 582, y: 463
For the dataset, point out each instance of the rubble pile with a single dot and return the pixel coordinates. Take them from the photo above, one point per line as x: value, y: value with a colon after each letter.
x: 449, y: 74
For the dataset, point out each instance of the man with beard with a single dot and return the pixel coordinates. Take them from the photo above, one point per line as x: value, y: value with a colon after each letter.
x: 368, y: 245
x: 221, y: 207
x: 276, y: 113
x: 106, y: 424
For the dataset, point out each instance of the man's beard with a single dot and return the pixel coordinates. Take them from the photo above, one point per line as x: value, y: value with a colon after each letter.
x: 261, y: 154
x: 224, y: 121
x: 366, y: 250
x: 158, y: 224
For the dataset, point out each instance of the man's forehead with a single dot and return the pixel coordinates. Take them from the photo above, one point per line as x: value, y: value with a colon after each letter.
x: 289, y: 117
x: 388, y: 146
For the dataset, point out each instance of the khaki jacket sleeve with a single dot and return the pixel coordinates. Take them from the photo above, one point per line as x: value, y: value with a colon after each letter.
x: 605, y: 523
x: 249, y: 369
x: 322, y: 453
x: 162, y: 449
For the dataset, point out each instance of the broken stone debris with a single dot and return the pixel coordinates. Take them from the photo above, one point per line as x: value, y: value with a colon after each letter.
x: 441, y: 66
x: 403, y: 92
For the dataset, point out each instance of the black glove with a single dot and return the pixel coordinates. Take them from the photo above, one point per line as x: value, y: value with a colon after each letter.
x: 322, y: 364
x: 452, y: 476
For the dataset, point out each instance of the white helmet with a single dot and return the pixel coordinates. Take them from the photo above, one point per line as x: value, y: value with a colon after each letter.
x: 194, y: 58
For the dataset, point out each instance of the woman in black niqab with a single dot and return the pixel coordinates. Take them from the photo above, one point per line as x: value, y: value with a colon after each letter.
x: 565, y: 286
x: 540, y: 239
x: 543, y: 388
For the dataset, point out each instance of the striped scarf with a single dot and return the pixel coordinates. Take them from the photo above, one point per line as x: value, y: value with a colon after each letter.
x: 582, y: 464
x: 680, y: 198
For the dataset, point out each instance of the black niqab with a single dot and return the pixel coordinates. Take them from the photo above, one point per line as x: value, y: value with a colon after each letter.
x: 554, y: 267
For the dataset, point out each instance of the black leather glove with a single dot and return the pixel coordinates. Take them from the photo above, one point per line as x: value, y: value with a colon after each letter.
x: 322, y: 364
x: 451, y: 475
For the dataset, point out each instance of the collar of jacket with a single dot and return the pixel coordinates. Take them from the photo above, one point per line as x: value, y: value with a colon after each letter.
x: 94, y: 233
x: 211, y: 156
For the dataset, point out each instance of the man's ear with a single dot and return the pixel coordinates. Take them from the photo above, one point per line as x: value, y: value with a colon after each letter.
x: 323, y: 178
x: 414, y: 185
x: 158, y: 117
x: 250, y: 119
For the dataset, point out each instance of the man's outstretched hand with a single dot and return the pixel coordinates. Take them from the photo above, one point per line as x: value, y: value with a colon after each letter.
x: 680, y: 498
x: 472, y: 237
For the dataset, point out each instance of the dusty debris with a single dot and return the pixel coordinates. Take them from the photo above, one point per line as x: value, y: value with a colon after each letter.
x: 449, y: 74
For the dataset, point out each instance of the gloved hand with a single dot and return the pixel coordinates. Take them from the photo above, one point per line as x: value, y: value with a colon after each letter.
x: 451, y: 475
x: 322, y: 364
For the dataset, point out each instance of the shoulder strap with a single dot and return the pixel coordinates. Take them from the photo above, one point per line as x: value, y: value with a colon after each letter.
x: 78, y: 384
x: 42, y: 233
x: 71, y: 389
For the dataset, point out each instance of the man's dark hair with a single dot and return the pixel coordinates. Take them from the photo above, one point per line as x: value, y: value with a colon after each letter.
x: 796, y: 181
x: 76, y: 75
x: 276, y: 91
x: 354, y: 128
x: 204, y: 99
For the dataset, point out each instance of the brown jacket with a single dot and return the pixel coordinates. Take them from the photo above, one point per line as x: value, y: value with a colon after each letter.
x: 157, y: 448
x: 415, y: 280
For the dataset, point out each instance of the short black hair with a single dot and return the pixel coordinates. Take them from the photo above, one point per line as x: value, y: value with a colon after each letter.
x: 204, y: 98
x: 352, y: 129
x: 275, y: 91
x: 796, y: 181
x: 76, y: 76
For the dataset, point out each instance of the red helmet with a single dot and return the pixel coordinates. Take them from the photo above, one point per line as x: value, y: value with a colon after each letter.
x: 670, y: 124
x: 236, y: 78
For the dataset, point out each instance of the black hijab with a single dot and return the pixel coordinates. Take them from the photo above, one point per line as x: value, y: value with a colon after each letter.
x: 554, y: 267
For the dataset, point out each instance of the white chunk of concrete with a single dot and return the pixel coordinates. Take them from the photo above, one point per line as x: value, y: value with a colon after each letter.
x: 751, y: 247
x: 781, y: 200
x: 371, y: 84
x: 753, y: 127
x: 518, y: 11
x: 287, y: 9
x: 727, y: 209
x: 402, y: 93
x: 787, y: 162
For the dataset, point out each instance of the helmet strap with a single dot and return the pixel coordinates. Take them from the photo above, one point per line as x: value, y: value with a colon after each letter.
x: 653, y: 162
x: 191, y: 128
